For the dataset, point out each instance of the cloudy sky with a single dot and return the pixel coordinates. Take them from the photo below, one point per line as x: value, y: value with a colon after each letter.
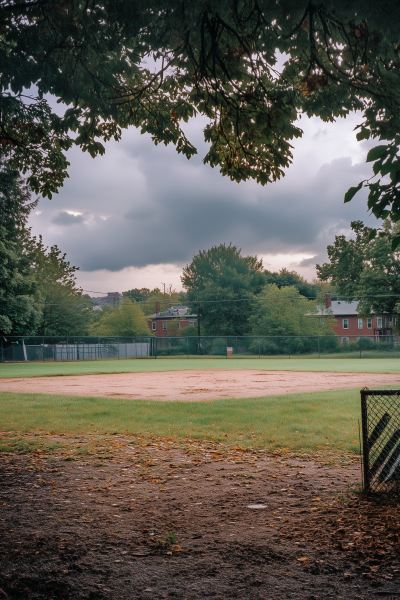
x: 136, y: 216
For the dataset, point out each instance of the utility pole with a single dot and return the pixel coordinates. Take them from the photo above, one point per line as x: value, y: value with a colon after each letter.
x: 164, y: 293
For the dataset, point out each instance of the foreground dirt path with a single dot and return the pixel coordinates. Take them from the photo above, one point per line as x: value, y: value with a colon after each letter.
x: 156, y: 521
x: 197, y: 385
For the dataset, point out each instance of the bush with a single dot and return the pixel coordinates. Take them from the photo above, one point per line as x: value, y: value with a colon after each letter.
x: 219, y: 347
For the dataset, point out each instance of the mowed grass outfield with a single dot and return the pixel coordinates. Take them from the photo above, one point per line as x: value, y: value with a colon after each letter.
x: 304, y: 422
x: 296, y: 422
x: 341, y: 365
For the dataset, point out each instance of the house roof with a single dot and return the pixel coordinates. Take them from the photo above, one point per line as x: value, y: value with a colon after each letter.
x: 172, y: 313
x: 340, y: 307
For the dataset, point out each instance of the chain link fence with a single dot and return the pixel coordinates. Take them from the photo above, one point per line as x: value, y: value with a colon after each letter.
x: 380, y: 413
x: 70, y: 348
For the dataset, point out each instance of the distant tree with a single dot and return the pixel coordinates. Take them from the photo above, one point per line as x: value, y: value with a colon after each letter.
x: 19, y: 310
x: 189, y: 331
x: 285, y: 312
x: 286, y: 278
x: 173, y: 329
x: 138, y: 295
x: 127, y: 319
x: 220, y: 284
x: 361, y: 268
x: 65, y: 310
x: 149, y: 299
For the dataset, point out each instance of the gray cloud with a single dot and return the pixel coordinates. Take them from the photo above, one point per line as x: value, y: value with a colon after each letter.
x: 148, y: 205
x: 66, y: 219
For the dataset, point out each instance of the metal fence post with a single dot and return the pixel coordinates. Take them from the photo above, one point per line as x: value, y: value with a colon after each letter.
x: 319, y: 353
x: 187, y: 347
x: 365, y: 449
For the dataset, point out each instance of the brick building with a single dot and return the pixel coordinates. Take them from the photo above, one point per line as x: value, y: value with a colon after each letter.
x: 159, y: 320
x: 350, y: 324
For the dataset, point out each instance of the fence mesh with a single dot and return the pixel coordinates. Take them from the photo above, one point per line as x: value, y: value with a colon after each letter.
x: 380, y: 410
x: 67, y: 348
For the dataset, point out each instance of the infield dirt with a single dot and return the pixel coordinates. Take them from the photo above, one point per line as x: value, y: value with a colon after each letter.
x: 195, y: 385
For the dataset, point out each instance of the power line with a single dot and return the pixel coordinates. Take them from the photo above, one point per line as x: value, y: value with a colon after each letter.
x: 257, y: 299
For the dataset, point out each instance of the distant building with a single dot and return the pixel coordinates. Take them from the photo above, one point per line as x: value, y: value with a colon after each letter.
x: 349, y: 323
x: 111, y: 299
x: 159, y: 320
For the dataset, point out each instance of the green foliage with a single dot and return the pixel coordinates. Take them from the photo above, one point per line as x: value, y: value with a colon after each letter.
x: 38, y: 294
x: 65, y: 310
x: 363, y: 267
x: 189, y: 331
x: 126, y: 319
x: 173, y: 329
x: 340, y: 56
x: 292, y: 278
x: 223, y: 274
x: 19, y: 312
x: 138, y: 295
x: 286, y: 312
x: 149, y: 299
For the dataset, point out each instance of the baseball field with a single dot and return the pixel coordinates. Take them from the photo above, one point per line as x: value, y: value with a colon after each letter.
x: 301, y: 404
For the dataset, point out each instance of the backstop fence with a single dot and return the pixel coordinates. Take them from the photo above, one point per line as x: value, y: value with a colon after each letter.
x: 71, y: 348
x: 380, y: 413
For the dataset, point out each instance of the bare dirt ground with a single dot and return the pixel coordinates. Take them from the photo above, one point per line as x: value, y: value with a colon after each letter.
x: 196, y: 385
x: 162, y: 520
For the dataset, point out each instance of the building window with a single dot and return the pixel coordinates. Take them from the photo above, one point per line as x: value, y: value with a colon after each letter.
x: 192, y: 323
x: 345, y: 340
x: 164, y: 326
x: 154, y: 326
x: 359, y: 323
x: 179, y: 324
x: 369, y: 323
x: 379, y: 322
x: 345, y: 323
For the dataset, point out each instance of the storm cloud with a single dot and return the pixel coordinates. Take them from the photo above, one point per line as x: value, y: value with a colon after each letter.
x: 65, y: 218
x: 143, y: 205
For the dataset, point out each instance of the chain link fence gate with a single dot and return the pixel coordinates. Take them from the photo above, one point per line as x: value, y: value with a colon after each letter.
x: 380, y: 414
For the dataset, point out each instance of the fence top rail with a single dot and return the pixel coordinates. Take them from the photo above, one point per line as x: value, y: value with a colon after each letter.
x: 182, y: 338
x: 381, y: 392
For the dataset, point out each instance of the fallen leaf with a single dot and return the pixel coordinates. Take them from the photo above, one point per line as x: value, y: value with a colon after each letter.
x: 303, y: 559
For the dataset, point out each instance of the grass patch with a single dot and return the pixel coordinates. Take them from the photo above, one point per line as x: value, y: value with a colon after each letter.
x: 304, y: 422
x: 344, y: 365
x: 23, y: 445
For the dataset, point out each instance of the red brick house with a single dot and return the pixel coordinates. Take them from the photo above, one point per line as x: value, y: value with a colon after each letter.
x: 158, y: 322
x: 350, y: 324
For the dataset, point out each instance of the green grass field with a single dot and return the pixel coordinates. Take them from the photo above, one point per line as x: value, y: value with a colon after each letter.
x: 297, y: 422
x: 345, y: 365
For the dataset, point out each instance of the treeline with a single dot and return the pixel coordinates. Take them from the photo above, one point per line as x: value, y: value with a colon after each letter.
x: 38, y: 291
x: 233, y: 295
